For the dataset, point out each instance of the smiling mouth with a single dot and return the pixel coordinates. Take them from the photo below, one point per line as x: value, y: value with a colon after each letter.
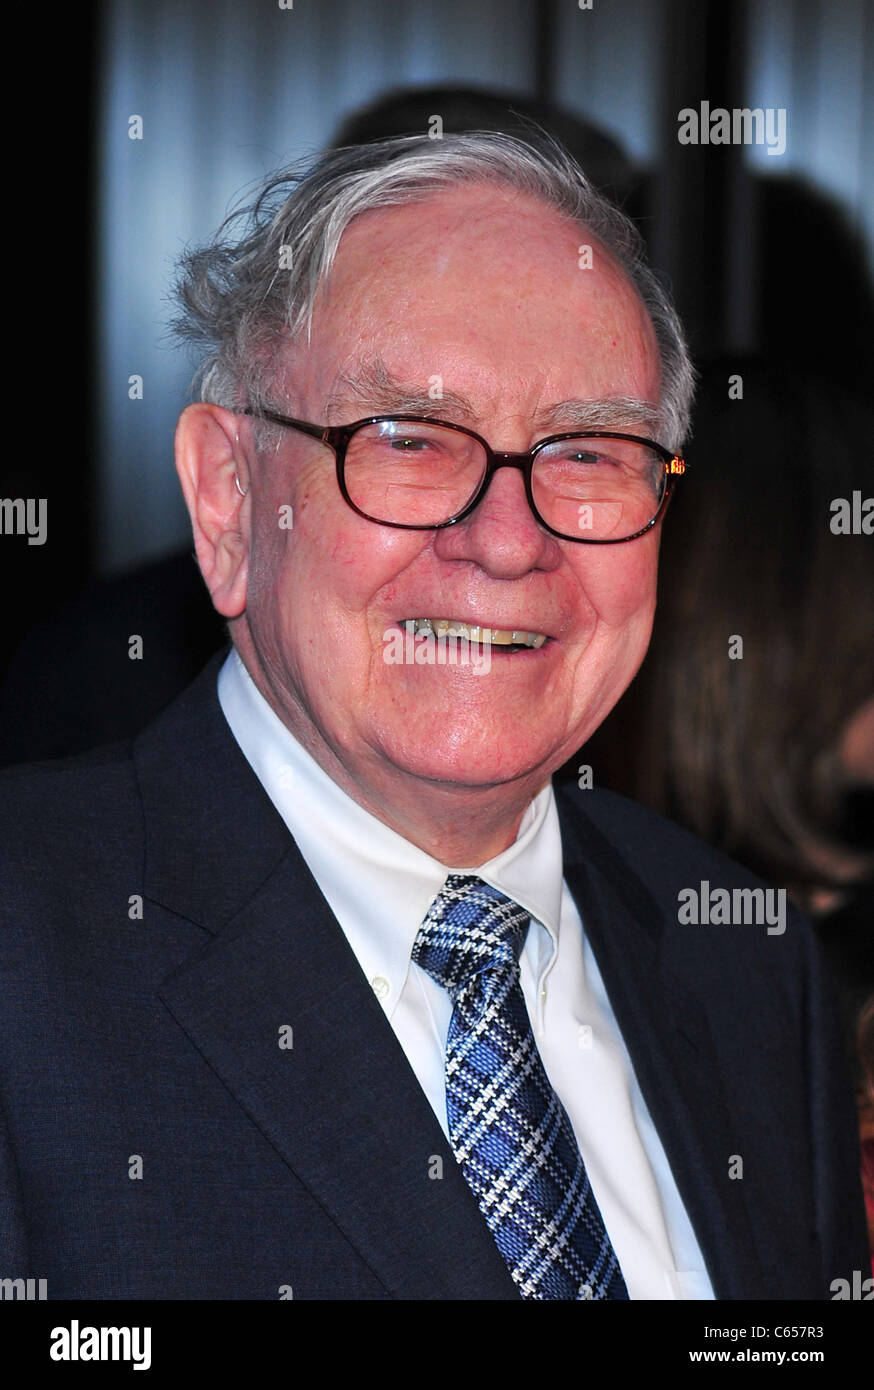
x: 512, y: 639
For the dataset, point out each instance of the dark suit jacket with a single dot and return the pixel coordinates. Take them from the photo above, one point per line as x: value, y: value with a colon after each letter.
x: 310, y: 1166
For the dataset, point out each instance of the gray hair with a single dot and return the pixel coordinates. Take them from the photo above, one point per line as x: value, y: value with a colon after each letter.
x: 243, y: 297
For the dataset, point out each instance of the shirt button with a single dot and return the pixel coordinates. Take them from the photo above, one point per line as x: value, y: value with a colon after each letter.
x: 380, y: 986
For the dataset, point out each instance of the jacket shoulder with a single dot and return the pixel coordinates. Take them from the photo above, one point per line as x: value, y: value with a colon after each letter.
x: 68, y: 828
x: 654, y: 842
x: 673, y: 866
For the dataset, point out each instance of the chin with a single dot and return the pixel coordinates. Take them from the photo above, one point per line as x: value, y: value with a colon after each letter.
x: 464, y: 758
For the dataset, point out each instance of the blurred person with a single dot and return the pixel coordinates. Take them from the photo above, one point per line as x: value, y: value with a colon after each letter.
x: 865, y: 1047
x: 756, y: 552
x: 411, y: 111
x: 769, y: 756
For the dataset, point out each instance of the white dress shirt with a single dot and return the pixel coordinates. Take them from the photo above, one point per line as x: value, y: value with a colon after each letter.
x: 379, y: 887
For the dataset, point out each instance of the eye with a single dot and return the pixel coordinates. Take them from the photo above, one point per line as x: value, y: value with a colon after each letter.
x: 409, y: 445
x: 604, y: 455
x: 584, y: 456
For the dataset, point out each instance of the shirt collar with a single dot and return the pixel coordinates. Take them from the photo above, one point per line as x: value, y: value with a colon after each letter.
x: 378, y: 884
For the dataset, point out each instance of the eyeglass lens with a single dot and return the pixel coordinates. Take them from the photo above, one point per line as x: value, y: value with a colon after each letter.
x: 419, y: 474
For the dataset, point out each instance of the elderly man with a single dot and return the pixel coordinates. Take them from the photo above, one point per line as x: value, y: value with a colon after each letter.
x: 318, y: 989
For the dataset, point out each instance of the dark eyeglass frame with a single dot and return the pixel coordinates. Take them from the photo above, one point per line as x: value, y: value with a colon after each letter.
x: 337, y: 437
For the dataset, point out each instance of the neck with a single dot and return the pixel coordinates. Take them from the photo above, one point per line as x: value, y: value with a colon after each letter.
x: 461, y: 826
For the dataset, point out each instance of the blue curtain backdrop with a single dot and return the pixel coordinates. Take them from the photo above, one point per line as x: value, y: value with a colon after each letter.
x: 231, y: 89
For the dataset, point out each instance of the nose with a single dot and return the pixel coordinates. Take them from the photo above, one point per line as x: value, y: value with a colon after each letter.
x: 501, y: 535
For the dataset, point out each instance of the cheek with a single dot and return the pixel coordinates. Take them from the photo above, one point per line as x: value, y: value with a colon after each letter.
x: 621, y: 592
x: 619, y: 583
x: 322, y: 570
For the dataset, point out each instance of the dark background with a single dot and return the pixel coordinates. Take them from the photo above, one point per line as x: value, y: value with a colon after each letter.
x: 765, y: 254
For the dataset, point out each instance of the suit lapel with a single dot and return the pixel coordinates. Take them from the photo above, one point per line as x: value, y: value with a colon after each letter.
x: 341, y: 1105
x: 669, y: 1042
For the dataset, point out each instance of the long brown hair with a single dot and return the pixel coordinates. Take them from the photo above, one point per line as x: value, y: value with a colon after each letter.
x: 744, y: 751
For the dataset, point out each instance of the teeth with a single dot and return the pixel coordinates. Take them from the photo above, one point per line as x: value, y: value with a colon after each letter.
x: 495, y: 636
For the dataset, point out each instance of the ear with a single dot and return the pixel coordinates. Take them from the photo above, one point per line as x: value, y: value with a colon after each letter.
x: 209, y: 456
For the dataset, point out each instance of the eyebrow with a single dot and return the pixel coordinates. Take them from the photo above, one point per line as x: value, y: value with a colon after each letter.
x: 608, y: 413
x: 372, y: 389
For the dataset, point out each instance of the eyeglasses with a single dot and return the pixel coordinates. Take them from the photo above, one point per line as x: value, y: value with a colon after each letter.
x: 420, y: 474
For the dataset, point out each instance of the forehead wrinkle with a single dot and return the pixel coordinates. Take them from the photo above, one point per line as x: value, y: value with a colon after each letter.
x: 370, y: 386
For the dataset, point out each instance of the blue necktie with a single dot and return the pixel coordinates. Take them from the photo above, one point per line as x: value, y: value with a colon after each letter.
x: 509, y: 1131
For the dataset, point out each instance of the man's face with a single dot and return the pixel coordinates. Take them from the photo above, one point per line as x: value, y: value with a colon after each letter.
x: 482, y: 289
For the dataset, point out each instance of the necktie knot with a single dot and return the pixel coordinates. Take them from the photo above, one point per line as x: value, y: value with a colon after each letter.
x: 470, y: 928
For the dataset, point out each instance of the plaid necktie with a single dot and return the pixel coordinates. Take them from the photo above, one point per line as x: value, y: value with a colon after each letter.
x: 508, y: 1128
